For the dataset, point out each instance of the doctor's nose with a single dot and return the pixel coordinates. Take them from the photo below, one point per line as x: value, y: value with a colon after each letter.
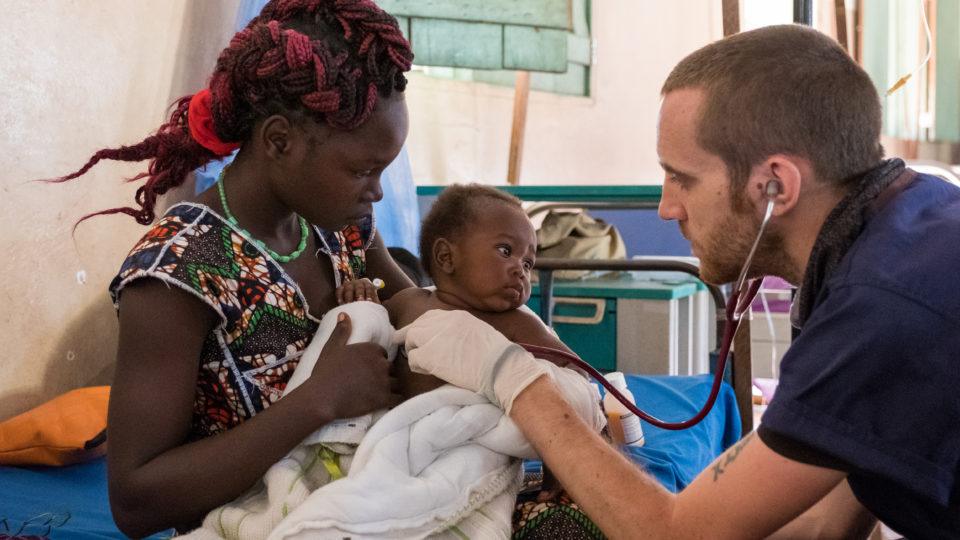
x: 670, y: 208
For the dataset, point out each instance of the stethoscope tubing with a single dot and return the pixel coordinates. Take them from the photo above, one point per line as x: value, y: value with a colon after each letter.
x: 743, y: 293
x: 730, y: 329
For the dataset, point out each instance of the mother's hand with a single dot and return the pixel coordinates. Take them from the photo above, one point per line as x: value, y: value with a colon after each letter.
x: 352, y: 380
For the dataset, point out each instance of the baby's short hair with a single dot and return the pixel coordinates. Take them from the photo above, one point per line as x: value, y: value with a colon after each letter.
x: 453, y: 210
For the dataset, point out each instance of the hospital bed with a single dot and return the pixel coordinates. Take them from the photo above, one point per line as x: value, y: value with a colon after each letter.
x: 71, y: 502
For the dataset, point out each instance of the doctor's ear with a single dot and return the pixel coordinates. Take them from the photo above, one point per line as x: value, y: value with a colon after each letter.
x: 443, y: 255
x: 778, y: 179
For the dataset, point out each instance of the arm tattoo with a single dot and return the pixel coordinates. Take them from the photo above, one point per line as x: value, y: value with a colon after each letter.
x: 731, y: 455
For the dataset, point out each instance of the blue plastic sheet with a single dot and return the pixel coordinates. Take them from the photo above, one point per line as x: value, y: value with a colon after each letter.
x: 79, y: 492
x: 58, y: 502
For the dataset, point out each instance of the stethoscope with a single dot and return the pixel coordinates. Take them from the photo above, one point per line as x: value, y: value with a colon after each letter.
x: 739, y: 301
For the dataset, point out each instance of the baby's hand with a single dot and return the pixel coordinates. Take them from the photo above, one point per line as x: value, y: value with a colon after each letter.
x: 356, y: 291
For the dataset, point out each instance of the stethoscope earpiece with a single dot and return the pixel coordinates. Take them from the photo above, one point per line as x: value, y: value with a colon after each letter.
x: 773, y: 188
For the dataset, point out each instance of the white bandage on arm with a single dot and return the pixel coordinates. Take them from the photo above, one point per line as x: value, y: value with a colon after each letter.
x: 467, y: 352
x: 516, y: 369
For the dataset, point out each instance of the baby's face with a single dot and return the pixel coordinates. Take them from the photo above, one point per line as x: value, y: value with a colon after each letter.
x: 495, y: 259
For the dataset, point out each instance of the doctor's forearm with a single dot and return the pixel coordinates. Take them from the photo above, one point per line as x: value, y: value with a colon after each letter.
x: 622, y: 500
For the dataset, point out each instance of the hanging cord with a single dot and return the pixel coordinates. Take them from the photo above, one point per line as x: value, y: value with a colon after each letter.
x: 926, y: 27
x: 774, y: 368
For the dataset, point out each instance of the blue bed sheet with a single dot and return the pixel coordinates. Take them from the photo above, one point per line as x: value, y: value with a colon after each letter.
x: 675, y: 458
x: 71, y: 502
x: 58, y: 502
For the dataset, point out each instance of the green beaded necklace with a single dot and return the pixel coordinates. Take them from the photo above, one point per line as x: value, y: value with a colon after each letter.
x: 304, y: 229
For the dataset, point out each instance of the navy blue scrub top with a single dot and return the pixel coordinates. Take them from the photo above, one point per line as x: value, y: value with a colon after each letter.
x: 873, y: 380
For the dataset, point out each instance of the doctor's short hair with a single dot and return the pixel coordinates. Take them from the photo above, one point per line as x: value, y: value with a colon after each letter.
x: 454, y: 212
x: 784, y: 89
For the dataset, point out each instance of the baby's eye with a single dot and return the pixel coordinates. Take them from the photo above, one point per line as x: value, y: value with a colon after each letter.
x: 527, y: 265
x: 504, y: 250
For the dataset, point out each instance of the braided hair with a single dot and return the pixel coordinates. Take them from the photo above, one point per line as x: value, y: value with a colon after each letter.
x: 330, y: 60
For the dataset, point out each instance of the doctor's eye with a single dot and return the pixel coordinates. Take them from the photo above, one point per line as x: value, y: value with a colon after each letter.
x: 681, y: 180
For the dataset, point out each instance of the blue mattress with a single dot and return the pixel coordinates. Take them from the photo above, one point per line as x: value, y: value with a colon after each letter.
x: 58, y: 502
x: 71, y: 502
x: 675, y: 458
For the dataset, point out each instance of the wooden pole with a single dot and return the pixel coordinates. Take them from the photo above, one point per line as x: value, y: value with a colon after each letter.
x: 521, y: 93
x: 840, y: 12
x: 743, y: 373
x: 731, y: 17
x: 858, y: 31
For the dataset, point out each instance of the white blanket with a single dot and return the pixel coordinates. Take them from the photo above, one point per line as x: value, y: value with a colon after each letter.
x: 443, y: 464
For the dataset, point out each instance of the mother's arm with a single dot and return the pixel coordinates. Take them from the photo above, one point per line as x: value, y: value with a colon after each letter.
x: 157, y: 479
x: 381, y: 265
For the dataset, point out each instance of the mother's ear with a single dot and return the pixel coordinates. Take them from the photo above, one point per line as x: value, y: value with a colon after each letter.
x: 274, y: 135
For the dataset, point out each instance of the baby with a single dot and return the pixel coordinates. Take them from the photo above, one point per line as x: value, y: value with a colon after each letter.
x: 479, y: 247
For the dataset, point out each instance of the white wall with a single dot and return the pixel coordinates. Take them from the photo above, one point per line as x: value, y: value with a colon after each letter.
x: 460, y: 131
x: 79, y: 76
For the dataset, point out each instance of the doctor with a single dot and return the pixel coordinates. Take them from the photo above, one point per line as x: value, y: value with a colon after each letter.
x: 866, y: 420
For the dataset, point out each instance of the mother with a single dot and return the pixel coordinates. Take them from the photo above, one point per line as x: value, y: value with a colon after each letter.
x: 220, y: 297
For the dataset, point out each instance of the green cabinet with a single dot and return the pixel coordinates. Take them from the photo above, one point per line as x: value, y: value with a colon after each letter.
x: 606, y: 320
x: 587, y: 325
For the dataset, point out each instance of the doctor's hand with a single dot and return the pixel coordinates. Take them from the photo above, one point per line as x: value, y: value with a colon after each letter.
x: 467, y: 352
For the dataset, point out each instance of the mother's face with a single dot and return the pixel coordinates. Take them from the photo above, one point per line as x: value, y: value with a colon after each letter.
x: 337, y: 179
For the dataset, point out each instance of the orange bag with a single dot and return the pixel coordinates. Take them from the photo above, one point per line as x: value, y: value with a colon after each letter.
x: 67, y: 429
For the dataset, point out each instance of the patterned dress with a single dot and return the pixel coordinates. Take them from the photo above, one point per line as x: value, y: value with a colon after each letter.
x: 265, y: 323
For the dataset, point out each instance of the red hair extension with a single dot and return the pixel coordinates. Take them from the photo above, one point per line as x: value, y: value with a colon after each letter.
x: 173, y: 154
x: 329, y: 59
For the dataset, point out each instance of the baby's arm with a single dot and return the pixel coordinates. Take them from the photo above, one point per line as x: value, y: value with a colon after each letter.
x: 524, y: 327
x: 404, y: 308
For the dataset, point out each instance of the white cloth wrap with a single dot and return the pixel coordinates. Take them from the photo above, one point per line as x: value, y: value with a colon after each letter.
x: 444, y: 464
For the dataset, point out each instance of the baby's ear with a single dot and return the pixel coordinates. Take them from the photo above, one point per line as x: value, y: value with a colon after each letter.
x: 444, y: 255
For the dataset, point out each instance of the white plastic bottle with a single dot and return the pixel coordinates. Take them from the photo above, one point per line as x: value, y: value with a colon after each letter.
x: 623, y: 425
